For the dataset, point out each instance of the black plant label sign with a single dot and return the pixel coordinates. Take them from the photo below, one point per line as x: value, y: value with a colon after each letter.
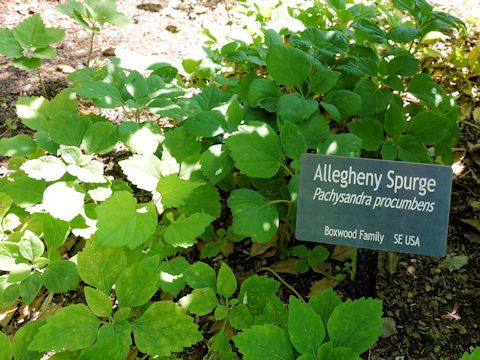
x: 374, y: 204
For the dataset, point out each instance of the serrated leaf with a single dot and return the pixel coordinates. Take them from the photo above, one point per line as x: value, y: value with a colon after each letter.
x: 48, y: 167
x: 200, y: 301
x: 201, y: 275
x: 240, y: 318
x: 68, y: 129
x: 263, y: 93
x: 55, y: 232
x: 355, y: 325
x: 293, y: 141
x: 9, y: 253
x: 8, y: 45
x: 107, y: 348
x: 19, y: 273
x: 367, y: 30
x: 77, y: 326
x: 99, y: 303
x: 173, y: 275
x: 305, y: 327
x: 234, y: 115
x: 323, y: 81
x: 264, y: 343
x: 216, y: 162
x: 347, y: 102
x: 389, y: 150
x: 207, y: 123
x: 274, y: 313
x: 226, y: 281
x: 426, y: 89
x: 374, y: 98
x: 19, y: 145
x: 205, y: 199
x: 253, y: 215
x: 328, y: 352
x: 292, y: 107
x: 9, y: 292
x: 288, y: 65
x: 30, y: 287
x: 30, y: 247
x: 256, y: 292
x: 92, y: 172
x: 6, y: 347
x: 24, y: 191
x: 256, y: 150
x: 409, y: 149
x: 62, y: 201
x: 340, y: 145
x: 23, y: 337
x: 184, y: 231
x: 324, y: 303
x: 208, y: 99
x: 314, y: 130
x: 427, y: 127
x: 220, y: 348
x: 121, y: 222
x: 394, y: 122
x: 403, y: 34
x: 117, y: 334
x: 101, y: 267
x: 100, y: 138
x: 163, y: 328
x: 61, y: 276
x: 403, y: 65
x: 25, y: 63
x: 181, y: 144
x: 103, y: 94
x: 140, y: 139
x: 143, y: 171
x: 370, y: 131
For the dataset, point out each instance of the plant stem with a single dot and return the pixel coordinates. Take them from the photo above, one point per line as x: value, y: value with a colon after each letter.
x: 284, y: 283
x: 288, y: 170
x: 279, y: 201
x: 91, y: 49
x: 41, y: 83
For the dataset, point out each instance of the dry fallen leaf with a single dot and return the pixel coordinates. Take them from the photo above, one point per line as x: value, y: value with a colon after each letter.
x: 342, y: 253
x: 472, y: 222
x: 288, y: 266
x: 260, y: 248
x: 319, y: 286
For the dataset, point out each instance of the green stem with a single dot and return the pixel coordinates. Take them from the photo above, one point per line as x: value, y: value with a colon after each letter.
x: 41, y: 83
x: 279, y: 201
x: 91, y: 49
x: 286, y: 168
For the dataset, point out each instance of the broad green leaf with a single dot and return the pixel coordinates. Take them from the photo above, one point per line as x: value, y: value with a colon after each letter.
x: 207, y: 123
x: 208, y: 99
x: 427, y: 127
x: 173, y: 275
x: 328, y: 352
x: 19, y: 145
x: 101, y: 267
x: 72, y: 155
x: 137, y: 283
x: 474, y: 355
x: 256, y: 292
x: 107, y: 348
x: 403, y: 34
x: 8, y: 45
x: 92, y: 172
x: 143, y: 171
x: 30, y: 287
x: 6, y: 346
x: 234, y: 115
x: 31, y: 111
x: 9, y: 292
x: 333, y: 111
x: 216, y: 162
x: 23, y: 190
x: 76, y: 324
x: 63, y: 202
x: 200, y: 301
x: 55, y: 232
x: 48, y: 167
x: 355, y: 325
x: 61, y: 276
x: 201, y: 275
x: 292, y: 107
x: 305, y: 327
x: 100, y: 138
x: 324, y: 303
x: 394, y: 122
x: 19, y: 273
x: 175, y: 191
x: 340, y: 145
x: 65, y: 101
x: 181, y: 144
x: 163, y: 328
x: 409, y: 149
x: 121, y: 332
x: 30, y: 247
x: 367, y: 30
x: 5, y: 203
x: 274, y: 313
x: 68, y: 129
x: 264, y: 93
x: 389, y: 150
x: 121, y: 222
x: 219, y: 347
x: 370, y: 131
x: 226, y: 281
x: 256, y: 150
x: 23, y: 337
x: 25, y: 63
x: 374, y: 98
x: 323, y: 81
x: 205, y: 199
x: 32, y: 32
x: 288, y: 65
x: 264, y: 342
x: 184, y: 231
x: 424, y: 88
x: 99, y: 303
x: 314, y: 130
x: 253, y: 215
x: 103, y: 94
x: 142, y: 138
x: 403, y: 65
x: 293, y: 141
x: 240, y: 318
x: 347, y: 102
x: 9, y: 254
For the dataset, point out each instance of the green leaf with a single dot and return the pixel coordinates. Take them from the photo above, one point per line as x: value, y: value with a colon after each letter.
x: 23, y: 337
x: 367, y: 30
x: 474, y: 355
x: 65, y: 101
x: 293, y: 141
x: 220, y: 348
x: 48, y: 167
x: 324, y: 303
x: 19, y: 145
x: 69, y: 129
x: 274, y: 313
x: 143, y: 171
x: 234, y: 115
x: 163, y: 328
x: 32, y: 32
x: 6, y: 347
x: 137, y: 283
x: 61, y: 276
x: 117, y: 334
x: 9, y: 292
x: 30, y: 247
x: 101, y: 267
x: 108, y: 348
x: 24, y: 191
x: 122, y: 222
x: 394, y: 123
x: 100, y: 138
x: 99, y: 303
x: 142, y: 138
x: 200, y: 301
x: 328, y: 352
x: 76, y: 324
x: 27, y: 64
x: 19, y: 273
x: 322, y: 81
x: 184, y: 231
x: 374, y: 98
x: 55, y: 232
x: 256, y: 292
x: 9, y: 254
x: 253, y: 215
x: 403, y: 65
x: 264, y: 342
x: 314, y: 130
x: 409, y: 149
x: 424, y: 88
x: 355, y: 325
x: 103, y: 94
x: 31, y: 111
x: 181, y: 144
x: 347, y: 102
x: 201, y: 275
x: 62, y: 201
x: 216, y: 162
x: 226, y: 281
x: 264, y: 93
x: 30, y: 287
x: 8, y: 45
x: 207, y: 124
x: 340, y: 145
x: 370, y: 131
x: 173, y: 275
x: 427, y: 127
x: 292, y: 107
x: 240, y: 318
x: 256, y: 150
x: 403, y: 34
x: 305, y: 327
x: 205, y: 199
x: 389, y: 150
x: 288, y: 66
x: 208, y: 99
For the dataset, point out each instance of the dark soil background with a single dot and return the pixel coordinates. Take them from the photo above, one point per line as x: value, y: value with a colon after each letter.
x: 432, y: 306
